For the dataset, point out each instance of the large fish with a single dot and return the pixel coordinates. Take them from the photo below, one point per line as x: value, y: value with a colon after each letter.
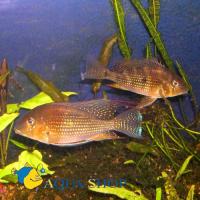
x: 146, y: 77
x: 69, y: 124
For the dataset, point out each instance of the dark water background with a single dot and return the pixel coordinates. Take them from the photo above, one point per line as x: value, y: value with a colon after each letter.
x: 55, y: 38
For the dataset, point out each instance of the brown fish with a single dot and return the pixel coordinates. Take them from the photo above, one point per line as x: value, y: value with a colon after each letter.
x: 146, y: 77
x: 69, y: 124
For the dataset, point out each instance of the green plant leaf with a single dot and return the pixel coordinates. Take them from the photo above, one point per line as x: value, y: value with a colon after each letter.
x: 19, y: 144
x: 140, y: 148
x: 129, y: 162
x: 190, y: 195
x: 40, y: 99
x: 148, y: 50
x: 120, y: 192
x: 34, y: 159
x: 7, y: 119
x: 119, y: 17
x: 44, y: 85
x: 154, y: 11
x: 12, y: 108
x: 158, y: 193
x: 169, y: 188
x: 154, y: 33
x: 182, y: 169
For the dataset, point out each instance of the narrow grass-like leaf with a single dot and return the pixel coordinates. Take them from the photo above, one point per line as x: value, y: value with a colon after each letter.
x: 120, y: 192
x: 7, y: 119
x: 154, y: 11
x: 182, y: 170
x: 119, y: 17
x: 148, y: 50
x: 190, y: 195
x: 19, y: 144
x: 153, y: 32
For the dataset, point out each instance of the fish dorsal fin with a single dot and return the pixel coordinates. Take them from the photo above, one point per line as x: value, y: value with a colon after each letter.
x: 129, y: 65
x: 101, y: 109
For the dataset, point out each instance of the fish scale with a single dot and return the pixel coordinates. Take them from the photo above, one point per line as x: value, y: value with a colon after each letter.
x: 66, y: 123
x: 145, y: 77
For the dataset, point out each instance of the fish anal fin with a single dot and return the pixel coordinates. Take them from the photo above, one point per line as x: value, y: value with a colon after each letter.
x: 106, y: 136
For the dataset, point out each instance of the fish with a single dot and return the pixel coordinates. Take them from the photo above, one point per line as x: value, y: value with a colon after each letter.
x: 146, y: 77
x: 71, y: 124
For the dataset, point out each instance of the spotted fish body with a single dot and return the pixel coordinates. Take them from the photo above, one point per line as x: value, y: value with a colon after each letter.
x: 146, y: 77
x: 69, y: 124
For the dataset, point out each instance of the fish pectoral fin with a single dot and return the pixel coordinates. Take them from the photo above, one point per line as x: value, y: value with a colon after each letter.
x: 105, y: 136
x: 145, y: 101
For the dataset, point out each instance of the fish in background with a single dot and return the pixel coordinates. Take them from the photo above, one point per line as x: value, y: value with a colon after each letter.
x: 70, y: 124
x: 147, y: 77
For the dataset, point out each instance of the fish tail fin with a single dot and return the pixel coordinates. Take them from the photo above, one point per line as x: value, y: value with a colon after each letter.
x: 129, y: 123
x: 95, y: 71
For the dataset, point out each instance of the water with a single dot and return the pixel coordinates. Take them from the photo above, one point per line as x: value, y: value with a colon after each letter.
x: 55, y: 39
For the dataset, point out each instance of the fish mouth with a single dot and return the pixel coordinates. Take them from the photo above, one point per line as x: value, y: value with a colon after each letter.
x: 17, y: 131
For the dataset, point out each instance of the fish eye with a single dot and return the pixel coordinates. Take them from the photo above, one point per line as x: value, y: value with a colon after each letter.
x: 31, y: 121
x: 175, y: 83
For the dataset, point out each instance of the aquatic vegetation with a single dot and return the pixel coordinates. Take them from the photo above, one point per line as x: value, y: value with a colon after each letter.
x: 171, y: 192
x: 141, y: 148
x: 156, y: 36
x: 44, y: 85
x: 182, y: 169
x: 120, y: 20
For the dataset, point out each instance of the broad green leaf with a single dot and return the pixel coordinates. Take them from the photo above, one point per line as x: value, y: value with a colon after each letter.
x: 154, y: 11
x: 34, y: 159
x: 40, y: 99
x: 120, y: 192
x: 141, y: 148
x: 120, y: 20
x: 190, y: 195
x: 154, y: 33
x: 182, y: 170
x: 169, y: 188
x: 44, y: 85
x: 19, y: 144
x: 129, y: 162
x: 12, y: 108
x: 7, y: 119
